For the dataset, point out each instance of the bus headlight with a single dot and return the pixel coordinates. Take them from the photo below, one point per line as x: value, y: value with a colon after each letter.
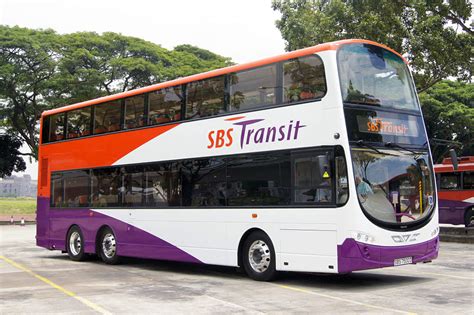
x: 363, y: 237
x: 435, y: 232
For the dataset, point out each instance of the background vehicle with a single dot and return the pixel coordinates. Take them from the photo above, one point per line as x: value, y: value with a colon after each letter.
x: 315, y: 160
x: 456, y: 191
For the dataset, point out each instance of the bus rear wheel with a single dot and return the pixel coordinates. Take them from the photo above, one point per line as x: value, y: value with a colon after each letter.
x: 107, y: 247
x: 75, y: 244
x: 258, y: 257
x: 469, y: 217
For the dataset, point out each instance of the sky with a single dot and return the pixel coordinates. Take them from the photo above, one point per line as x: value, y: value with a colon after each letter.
x: 243, y: 30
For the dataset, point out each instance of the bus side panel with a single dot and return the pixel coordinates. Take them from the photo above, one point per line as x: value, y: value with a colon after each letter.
x: 453, y: 205
x: 132, y: 241
x: 42, y: 221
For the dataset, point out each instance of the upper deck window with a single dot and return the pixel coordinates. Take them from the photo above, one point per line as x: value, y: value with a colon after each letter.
x: 56, y: 129
x: 293, y: 81
x: 371, y: 75
x: 253, y: 88
x: 107, y: 117
x: 79, y: 122
x: 165, y: 105
x: 303, y: 79
x: 135, y: 112
x: 205, y: 98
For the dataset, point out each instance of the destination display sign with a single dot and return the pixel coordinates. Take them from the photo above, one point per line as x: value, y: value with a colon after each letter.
x: 388, y: 126
x: 380, y: 126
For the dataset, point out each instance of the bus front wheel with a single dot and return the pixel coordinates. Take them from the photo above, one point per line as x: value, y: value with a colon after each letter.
x: 107, y: 247
x: 74, y: 244
x: 259, y: 257
x: 469, y: 217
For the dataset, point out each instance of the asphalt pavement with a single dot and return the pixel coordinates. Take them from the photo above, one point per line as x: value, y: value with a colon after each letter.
x: 35, y: 280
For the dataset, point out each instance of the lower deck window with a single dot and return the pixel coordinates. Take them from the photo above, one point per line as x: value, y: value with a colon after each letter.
x: 283, y: 178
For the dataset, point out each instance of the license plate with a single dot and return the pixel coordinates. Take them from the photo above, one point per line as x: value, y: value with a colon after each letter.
x: 403, y: 261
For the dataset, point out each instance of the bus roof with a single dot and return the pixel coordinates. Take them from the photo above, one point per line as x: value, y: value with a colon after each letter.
x: 465, y: 163
x: 289, y: 55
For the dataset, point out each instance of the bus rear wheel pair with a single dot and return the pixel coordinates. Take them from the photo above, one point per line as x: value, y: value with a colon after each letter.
x: 106, y: 246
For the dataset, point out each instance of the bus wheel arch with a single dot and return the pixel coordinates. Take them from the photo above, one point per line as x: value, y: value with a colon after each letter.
x: 106, y: 245
x: 75, y: 243
x: 257, y: 240
x: 469, y: 217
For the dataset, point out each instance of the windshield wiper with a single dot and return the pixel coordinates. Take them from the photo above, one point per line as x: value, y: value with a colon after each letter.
x: 396, y: 145
x: 361, y: 143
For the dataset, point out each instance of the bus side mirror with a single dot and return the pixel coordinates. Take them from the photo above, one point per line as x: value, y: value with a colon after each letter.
x: 454, y: 159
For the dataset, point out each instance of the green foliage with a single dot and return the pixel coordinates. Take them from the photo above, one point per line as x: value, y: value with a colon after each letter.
x: 448, y: 109
x: 432, y: 35
x: 40, y: 70
x: 10, y: 159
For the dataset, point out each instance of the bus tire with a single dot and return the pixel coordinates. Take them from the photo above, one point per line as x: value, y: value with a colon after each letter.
x: 258, y: 257
x: 469, y: 217
x: 75, y: 244
x: 107, y: 247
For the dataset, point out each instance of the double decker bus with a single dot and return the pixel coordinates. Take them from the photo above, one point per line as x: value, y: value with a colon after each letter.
x: 316, y: 160
x: 456, y: 191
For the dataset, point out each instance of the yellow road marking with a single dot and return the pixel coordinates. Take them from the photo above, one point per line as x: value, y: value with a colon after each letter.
x: 343, y: 299
x: 84, y: 301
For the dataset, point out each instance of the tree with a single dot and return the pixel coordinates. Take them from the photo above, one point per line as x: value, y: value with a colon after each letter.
x: 448, y: 109
x: 433, y: 35
x: 10, y: 159
x: 40, y: 70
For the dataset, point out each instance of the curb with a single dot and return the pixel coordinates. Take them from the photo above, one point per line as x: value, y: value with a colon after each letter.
x: 457, y: 234
x: 17, y: 223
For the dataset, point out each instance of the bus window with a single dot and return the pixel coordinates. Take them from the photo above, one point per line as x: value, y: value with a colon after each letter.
x: 303, y: 79
x: 253, y: 88
x: 203, y: 182
x: 258, y: 180
x: 132, y: 186
x: 76, y: 189
x: 57, y: 190
x: 468, y: 180
x: 450, y: 181
x: 56, y: 127
x: 106, y: 185
x: 78, y: 122
x: 107, y: 117
x: 165, y: 105
x: 205, y: 98
x: 342, y: 190
x: 135, y: 111
x: 45, y: 130
x: 312, y: 179
x: 162, y: 185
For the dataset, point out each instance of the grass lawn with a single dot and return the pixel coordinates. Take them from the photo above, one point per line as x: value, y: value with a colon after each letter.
x: 17, y: 205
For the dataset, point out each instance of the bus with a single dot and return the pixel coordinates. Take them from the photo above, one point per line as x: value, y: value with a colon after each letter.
x: 316, y: 160
x: 456, y: 191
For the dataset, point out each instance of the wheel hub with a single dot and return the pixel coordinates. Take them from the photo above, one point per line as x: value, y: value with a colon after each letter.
x: 75, y: 243
x: 259, y: 256
x: 109, y: 245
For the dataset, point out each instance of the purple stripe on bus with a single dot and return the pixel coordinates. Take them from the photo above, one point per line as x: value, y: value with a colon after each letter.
x: 132, y: 241
x: 452, y: 211
x: 354, y: 256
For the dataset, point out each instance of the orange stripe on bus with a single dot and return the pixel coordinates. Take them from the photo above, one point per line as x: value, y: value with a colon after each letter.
x: 96, y: 151
x: 234, y: 118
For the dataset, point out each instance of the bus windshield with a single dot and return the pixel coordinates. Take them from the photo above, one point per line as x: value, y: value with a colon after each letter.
x: 371, y: 75
x: 394, y: 186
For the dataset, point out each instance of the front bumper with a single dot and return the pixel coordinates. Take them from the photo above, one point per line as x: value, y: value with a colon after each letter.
x: 354, y: 256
